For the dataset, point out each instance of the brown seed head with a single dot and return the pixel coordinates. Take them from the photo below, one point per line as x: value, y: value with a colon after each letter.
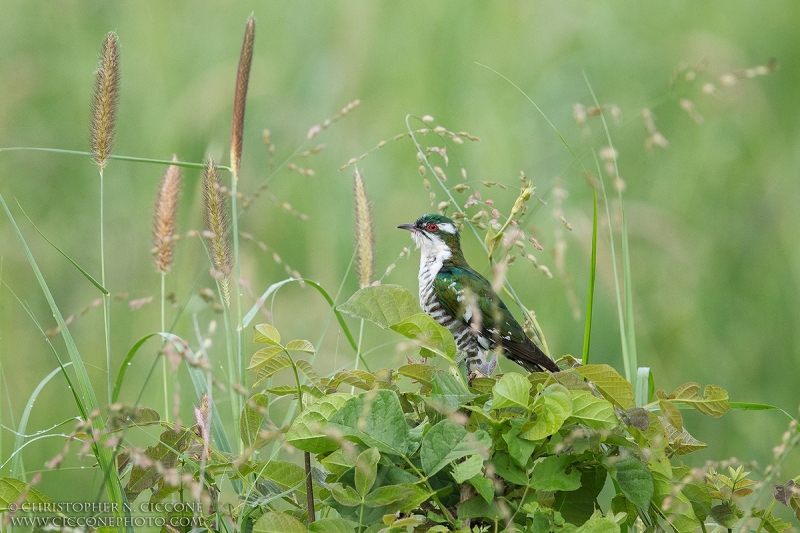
x: 215, y: 213
x: 166, y: 212
x: 365, y: 233
x: 240, y: 95
x: 104, y: 106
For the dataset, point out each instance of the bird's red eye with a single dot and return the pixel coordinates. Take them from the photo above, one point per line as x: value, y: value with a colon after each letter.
x: 432, y: 227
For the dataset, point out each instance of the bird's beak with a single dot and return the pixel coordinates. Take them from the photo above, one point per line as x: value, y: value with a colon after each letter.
x: 409, y: 227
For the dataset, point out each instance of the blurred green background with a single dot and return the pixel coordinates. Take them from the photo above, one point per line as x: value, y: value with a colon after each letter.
x: 713, y: 217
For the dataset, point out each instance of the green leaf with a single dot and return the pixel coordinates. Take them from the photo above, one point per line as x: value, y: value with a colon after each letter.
x: 552, y: 409
x: 611, y: 385
x: 714, y: 401
x: 366, y: 470
x: 519, y: 449
x: 448, y: 441
x: 388, y: 494
x: 507, y: 469
x: 131, y: 416
x: 430, y: 334
x: 484, y: 486
x: 339, y: 461
x: 513, y: 390
x: 418, y: 371
x: 306, y: 432
x: 357, y: 378
x: 301, y: 346
x: 672, y: 414
x: 635, y: 480
x: 163, y: 455
x: 253, y: 419
x: 467, y: 469
x: 274, y: 522
x: 448, y: 393
x: 772, y: 524
x: 12, y: 489
x: 577, y: 506
x: 549, y: 473
x: 331, y: 525
x: 375, y: 418
x: 344, y: 495
x: 598, y: 524
x: 287, y: 476
x: 266, y: 334
x: 272, y: 367
x: 263, y: 356
x: 681, y: 442
x: 697, y: 494
x: 306, y: 368
x: 384, y: 305
x: 597, y: 413
x: 725, y: 515
x: 477, y: 507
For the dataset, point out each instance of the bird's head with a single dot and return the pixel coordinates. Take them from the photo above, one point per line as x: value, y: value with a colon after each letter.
x: 433, y: 233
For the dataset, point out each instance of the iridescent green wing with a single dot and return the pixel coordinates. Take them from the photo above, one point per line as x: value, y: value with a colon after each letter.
x: 456, y: 286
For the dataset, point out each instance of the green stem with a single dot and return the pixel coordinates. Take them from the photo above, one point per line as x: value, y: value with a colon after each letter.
x: 358, y: 352
x: 106, y: 297
x: 163, y: 343
x: 131, y: 158
x: 306, y: 455
x: 240, y: 363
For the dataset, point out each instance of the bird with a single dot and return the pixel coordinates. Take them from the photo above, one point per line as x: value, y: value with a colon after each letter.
x: 463, y: 301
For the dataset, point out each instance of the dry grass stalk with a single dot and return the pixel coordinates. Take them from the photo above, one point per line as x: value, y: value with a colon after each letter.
x: 365, y: 234
x: 104, y: 106
x: 215, y: 213
x: 240, y: 95
x: 166, y: 212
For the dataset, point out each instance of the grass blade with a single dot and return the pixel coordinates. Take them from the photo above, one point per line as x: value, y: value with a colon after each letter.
x: 68, y: 258
x: 87, y: 400
x: 587, y: 331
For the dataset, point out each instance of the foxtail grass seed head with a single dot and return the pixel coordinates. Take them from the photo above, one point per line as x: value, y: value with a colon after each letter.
x: 104, y: 105
x: 365, y: 234
x: 240, y: 94
x: 215, y: 213
x: 166, y: 212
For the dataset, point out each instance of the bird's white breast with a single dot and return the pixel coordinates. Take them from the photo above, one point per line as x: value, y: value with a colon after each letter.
x: 433, y: 253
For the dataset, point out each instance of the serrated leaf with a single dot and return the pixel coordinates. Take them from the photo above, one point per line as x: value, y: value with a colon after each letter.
x: 598, y: 523
x: 306, y: 432
x: 306, y: 368
x: 253, y: 419
x: 340, y: 460
x: 597, y: 413
x: 389, y: 494
x: 714, y: 400
x: 621, y: 504
x: 383, y: 305
x: 266, y: 334
x: 635, y: 480
x: 300, y: 345
x: 611, y: 385
x: 274, y: 522
x: 418, y: 371
x: 448, y: 441
x: 672, y: 414
x: 429, y: 333
x: 262, y: 356
x: 681, y: 442
x: 467, y: 469
x: 549, y: 473
x: 12, y: 489
x: 519, y: 449
x: 375, y: 418
x: 357, y: 378
x: 551, y: 411
x: 513, y: 390
x: 771, y: 523
x: 698, y: 496
x: 272, y: 367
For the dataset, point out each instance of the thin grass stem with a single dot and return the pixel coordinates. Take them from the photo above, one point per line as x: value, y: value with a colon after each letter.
x: 587, y: 331
x: 106, y: 297
x: 164, y: 373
